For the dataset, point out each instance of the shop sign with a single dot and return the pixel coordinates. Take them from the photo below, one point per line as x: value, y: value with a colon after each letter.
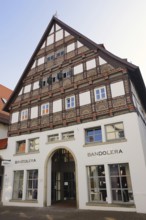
x: 25, y: 161
x: 104, y: 153
x: 5, y: 162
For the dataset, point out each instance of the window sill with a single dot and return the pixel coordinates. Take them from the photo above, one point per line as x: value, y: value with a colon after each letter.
x: 105, y: 204
x: 104, y: 143
x: 23, y: 201
x: 27, y: 153
x: 58, y: 141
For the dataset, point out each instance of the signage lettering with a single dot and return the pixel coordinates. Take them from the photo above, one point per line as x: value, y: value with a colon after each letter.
x: 25, y: 161
x: 105, y: 152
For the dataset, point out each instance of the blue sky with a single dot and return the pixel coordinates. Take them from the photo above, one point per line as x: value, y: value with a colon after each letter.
x: 119, y: 25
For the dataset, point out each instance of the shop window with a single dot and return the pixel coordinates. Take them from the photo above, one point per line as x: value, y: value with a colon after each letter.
x: 70, y: 102
x: 18, y: 185
x: 100, y: 93
x: 97, y: 183
x: 32, y: 185
x: 93, y: 135
x: 24, y: 114
x: 45, y: 109
x: 53, y: 137
x: 20, y: 148
x: 34, y: 145
x: 120, y: 183
x: 68, y: 135
x: 114, y: 131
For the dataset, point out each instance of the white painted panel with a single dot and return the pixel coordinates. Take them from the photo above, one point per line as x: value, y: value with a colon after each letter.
x: 117, y: 89
x: 20, y: 93
x: 34, y: 112
x: 15, y: 117
x: 84, y: 98
x: 78, y: 69
x: 40, y: 61
x: 90, y: 64
x: 27, y: 88
x: 57, y: 106
x: 52, y: 30
x: 70, y: 47
x: 66, y: 34
x: 36, y: 85
x: 34, y: 65
x: 79, y: 44
x: 59, y: 35
x: 57, y: 27
x: 101, y: 61
x: 43, y: 45
x: 50, y: 39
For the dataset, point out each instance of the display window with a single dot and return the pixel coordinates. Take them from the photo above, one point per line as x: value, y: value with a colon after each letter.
x: 121, y: 187
x: 97, y: 183
x: 18, y: 184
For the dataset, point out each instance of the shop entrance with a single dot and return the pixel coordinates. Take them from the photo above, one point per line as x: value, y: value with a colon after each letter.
x: 1, y: 179
x: 63, y: 178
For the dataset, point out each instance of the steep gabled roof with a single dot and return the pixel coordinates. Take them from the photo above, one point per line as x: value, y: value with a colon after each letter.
x: 133, y: 71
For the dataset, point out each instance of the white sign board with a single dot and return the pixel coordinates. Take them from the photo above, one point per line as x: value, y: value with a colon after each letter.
x: 5, y: 162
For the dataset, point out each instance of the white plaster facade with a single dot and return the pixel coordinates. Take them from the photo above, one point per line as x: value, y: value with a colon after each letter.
x: 130, y: 150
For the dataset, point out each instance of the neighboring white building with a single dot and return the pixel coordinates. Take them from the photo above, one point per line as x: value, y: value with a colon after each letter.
x: 4, y: 121
x: 77, y: 130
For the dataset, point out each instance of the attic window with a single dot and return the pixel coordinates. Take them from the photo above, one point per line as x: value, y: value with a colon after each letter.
x: 4, y: 100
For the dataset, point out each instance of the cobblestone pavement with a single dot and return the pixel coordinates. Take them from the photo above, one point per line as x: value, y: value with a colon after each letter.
x: 55, y: 213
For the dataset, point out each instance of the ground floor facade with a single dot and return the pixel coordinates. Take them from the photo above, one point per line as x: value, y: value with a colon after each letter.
x: 97, y: 165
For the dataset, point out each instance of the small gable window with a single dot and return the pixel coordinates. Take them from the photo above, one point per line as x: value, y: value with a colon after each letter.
x: 24, y: 114
x: 100, y: 93
x: 45, y: 109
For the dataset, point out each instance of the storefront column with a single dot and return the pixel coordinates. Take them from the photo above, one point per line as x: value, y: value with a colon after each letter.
x: 108, y: 185
x: 24, y: 185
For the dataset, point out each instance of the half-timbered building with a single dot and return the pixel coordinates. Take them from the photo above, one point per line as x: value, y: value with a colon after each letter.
x: 77, y: 131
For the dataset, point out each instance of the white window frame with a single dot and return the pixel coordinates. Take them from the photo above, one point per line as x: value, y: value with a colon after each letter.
x: 71, y: 102
x: 33, y: 145
x: 24, y: 114
x: 45, y: 109
x: 119, y: 134
x: 100, y: 95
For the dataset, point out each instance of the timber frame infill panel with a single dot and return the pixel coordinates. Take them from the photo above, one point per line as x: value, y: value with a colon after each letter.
x: 80, y: 114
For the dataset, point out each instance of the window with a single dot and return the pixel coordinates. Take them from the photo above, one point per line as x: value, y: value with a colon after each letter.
x: 97, y: 183
x: 93, y: 135
x: 120, y: 183
x: 45, y: 109
x: 32, y: 185
x: 18, y: 185
x: 70, y: 102
x: 59, y: 53
x: 20, y: 148
x: 100, y: 93
x: 34, y: 145
x: 114, y: 131
x: 53, y: 137
x: 50, y: 57
x: 68, y: 135
x: 67, y: 73
x: 24, y: 114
